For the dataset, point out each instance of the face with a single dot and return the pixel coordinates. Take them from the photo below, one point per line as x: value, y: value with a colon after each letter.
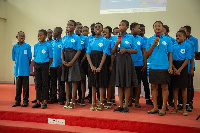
x: 55, y: 34
x: 66, y: 31
x: 98, y: 29
x: 142, y: 31
x: 180, y: 37
x: 70, y: 26
x: 78, y: 29
x: 41, y: 37
x: 49, y: 34
x: 116, y: 31
x: 136, y: 30
x: 21, y: 37
x: 85, y: 31
x: 123, y: 27
x: 158, y: 28
x: 165, y: 32
x: 92, y: 31
x: 105, y: 33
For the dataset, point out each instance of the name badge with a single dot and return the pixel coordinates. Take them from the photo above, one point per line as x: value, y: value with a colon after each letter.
x: 182, y: 51
x: 25, y: 51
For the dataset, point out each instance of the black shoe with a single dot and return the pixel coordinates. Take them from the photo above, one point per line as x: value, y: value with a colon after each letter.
x: 179, y: 107
x: 25, y: 104
x: 62, y: 103
x: 119, y: 109
x: 151, y: 112
x: 149, y: 102
x: 16, y: 104
x: 161, y: 114
x: 188, y: 108
x: 125, y: 110
x: 171, y: 104
x: 34, y: 101
x: 44, y: 106
x: 36, y: 105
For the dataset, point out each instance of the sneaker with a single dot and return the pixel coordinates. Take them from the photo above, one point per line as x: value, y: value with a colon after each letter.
x: 36, y: 105
x: 149, y: 102
x: 44, y: 106
x: 188, y: 108
x: 82, y: 102
x: 125, y: 110
x: 107, y: 105
x: 25, y: 104
x: 180, y: 107
x: 16, y: 104
x: 100, y: 107
x: 71, y: 105
x: 118, y: 109
x: 66, y: 105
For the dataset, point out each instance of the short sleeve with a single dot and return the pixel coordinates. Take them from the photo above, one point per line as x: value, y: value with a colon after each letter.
x: 13, y: 53
x: 88, y: 51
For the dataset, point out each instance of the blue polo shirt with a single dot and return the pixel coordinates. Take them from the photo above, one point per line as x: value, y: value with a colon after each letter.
x: 57, y: 47
x: 159, y: 56
x: 195, y: 41
x: 145, y: 40
x: 181, y: 51
x: 98, y: 44
x: 172, y: 39
x: 192, y: 48
x: 91, y: 38
x: 128, y: 42
x: 21, y: 55
x: 42, y: 52
x: 50, y: 42
x: 84, y: 41
x: 138, y: 58
x: 72, y: 42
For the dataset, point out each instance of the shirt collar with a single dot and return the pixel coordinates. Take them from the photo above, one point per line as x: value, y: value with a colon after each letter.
x: 22, y: 43
x: 163, y: 35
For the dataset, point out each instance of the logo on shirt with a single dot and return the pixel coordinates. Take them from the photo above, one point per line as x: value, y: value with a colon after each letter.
x: 126, y: 42
x: 182, y: 51
x: 72, y: 40
x: 82, y: 42
x: 138, y: 43
x: 25, y: 51
x: 100, y: 44
x: 43, y: 51
x: 60, y: 46
x: 164, y: 43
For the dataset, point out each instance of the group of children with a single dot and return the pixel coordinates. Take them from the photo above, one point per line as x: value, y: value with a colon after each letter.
x: 108, y: 62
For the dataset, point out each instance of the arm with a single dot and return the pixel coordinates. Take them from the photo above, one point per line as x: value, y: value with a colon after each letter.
x: 150, y: 50
x: 50, y: 61
x: 170, y: 63
x: 111, y: 63
x: 90, y: 62
x: 102, y: 62
x: 178, y: 72
x: 84, y: 57
x: 63, y: 58
x: 116, y: 45
x: 191, y: 72
x: 131, y: 51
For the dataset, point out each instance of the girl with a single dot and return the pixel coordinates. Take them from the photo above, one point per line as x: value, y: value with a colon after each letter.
x: 159, y: 47
x: 71, y: 69
x: 96, y: 55
x: 125, y: 72
x: 181, y: 56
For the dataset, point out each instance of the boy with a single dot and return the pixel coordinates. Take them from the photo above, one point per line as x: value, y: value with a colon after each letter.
x: 21, y: 54
x: 43, y: 58
x: 56, y: 69
x: 116, y: 31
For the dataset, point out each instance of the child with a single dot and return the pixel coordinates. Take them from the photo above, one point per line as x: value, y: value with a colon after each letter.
x: 115, y: 31
x: 43, y: 58
x: 56, y: 69
x: 96, y: 55
x: 125, y: 72
x: 21, y: 54
x: 139, y: 61
x: 85, y: 31
x: 71, y: 69
x: 181, y: 56
x: 144, y: 75
x: 49, y: 36
x: 166, y: 32
x: 83, y: 63
x: 160, y: 50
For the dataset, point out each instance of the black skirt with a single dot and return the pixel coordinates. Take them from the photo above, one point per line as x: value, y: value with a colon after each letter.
x: 83, y: 66
x: 99, y: 80
x: 180, y: 81
x: 125, y: 71
x: 159, y: 76
x: 70, y: 74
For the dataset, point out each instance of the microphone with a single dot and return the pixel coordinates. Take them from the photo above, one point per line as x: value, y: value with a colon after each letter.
x: 119, y: 37
x: 157, y: 35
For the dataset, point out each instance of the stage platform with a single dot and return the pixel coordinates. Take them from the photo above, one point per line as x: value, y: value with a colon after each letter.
x: 81, y: 119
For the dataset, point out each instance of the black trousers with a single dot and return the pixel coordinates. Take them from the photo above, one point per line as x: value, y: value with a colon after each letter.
x: 42, y: 76
x: 146, y: 85
x: 22, y: 81
x: 55, y: 74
